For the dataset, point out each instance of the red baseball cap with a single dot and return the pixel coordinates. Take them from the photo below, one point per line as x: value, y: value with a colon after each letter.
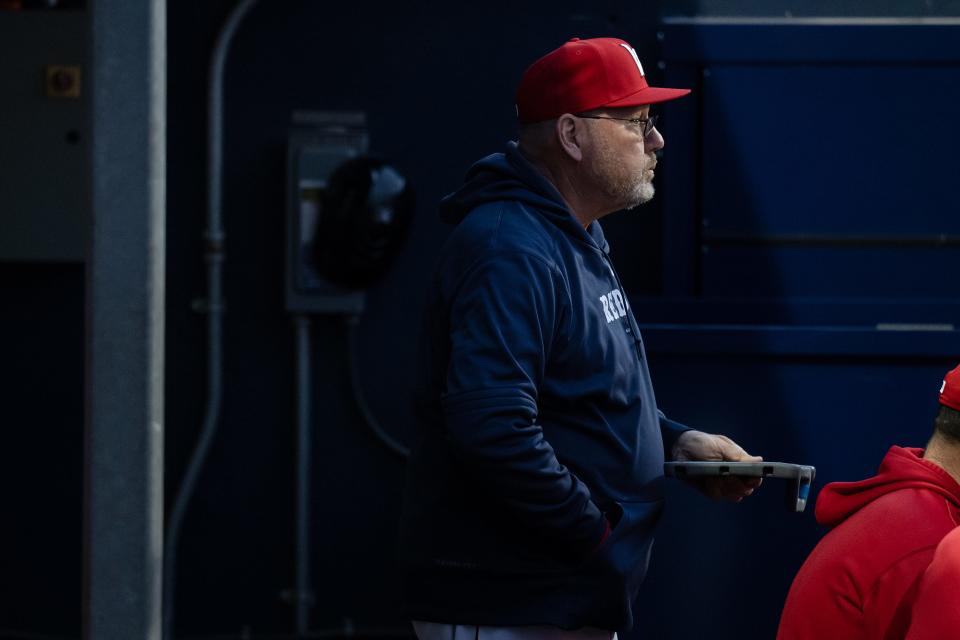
x: 950, y: 390
x: 583, y: 75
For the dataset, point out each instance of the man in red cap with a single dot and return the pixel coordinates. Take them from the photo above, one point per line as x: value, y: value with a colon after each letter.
x: 536, y: 482
x: 861, y: 580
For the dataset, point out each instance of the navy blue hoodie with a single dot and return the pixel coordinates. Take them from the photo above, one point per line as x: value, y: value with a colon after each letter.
x: 536, y: 481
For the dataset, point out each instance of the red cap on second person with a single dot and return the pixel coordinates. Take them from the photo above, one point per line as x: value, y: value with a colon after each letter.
x: 583, y: 75
x: 950, y: 390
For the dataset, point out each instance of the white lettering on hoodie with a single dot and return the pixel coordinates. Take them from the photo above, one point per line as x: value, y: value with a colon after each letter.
x: 614, y: 305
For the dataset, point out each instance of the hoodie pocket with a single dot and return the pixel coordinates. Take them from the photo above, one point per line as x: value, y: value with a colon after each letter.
x: 623, y: 558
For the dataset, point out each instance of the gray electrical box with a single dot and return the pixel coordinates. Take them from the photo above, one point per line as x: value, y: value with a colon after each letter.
x: 319, y: 142
x: 44, y: 135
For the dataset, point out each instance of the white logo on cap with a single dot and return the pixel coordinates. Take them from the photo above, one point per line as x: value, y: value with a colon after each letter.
x: 943, y: 385
x: 635, y: 58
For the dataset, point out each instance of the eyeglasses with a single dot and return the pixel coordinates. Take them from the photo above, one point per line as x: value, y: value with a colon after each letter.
x: 646, y: 124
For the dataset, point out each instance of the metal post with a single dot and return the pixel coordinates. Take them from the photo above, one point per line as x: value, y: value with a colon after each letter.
x: 123, y: 502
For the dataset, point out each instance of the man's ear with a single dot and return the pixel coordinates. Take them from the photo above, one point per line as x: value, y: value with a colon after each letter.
x: 570, y: 135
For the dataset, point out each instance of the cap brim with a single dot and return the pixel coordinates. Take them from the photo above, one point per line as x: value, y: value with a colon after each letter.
x: 650, y: 95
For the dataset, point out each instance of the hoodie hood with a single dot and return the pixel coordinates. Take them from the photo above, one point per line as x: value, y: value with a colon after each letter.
x: 509, y: 176
x: 902, y: 468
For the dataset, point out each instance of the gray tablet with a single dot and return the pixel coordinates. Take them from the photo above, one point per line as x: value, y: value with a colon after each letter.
x: 799, y: 477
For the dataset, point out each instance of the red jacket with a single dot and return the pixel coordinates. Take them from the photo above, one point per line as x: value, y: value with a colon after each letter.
x: 861, y: 579
x: 936, y: 614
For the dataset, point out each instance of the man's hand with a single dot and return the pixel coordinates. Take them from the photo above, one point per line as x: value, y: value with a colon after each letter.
x: 697, y: 445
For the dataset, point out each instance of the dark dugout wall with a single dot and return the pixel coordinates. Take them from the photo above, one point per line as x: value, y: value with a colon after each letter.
x: 805, y: 308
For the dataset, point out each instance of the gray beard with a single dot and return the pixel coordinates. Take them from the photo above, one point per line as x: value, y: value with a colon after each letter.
x: 627, y: 191
x: 642, y: 193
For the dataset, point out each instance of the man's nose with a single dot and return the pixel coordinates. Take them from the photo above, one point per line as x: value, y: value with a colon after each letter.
x: 654, y: 141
